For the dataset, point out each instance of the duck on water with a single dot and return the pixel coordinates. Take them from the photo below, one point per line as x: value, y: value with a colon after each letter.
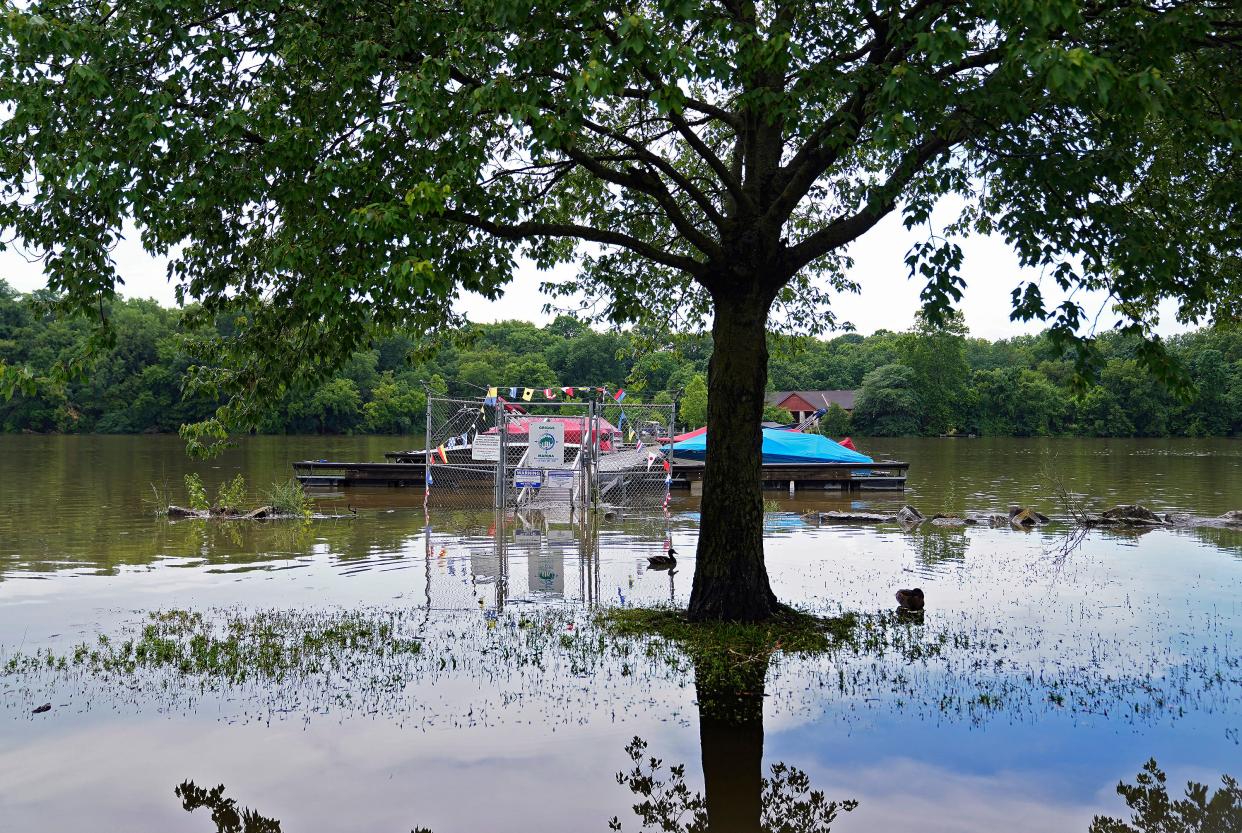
x: 663, y: 562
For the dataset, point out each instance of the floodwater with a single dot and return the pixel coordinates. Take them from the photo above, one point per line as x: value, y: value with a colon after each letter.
x: 1036, y: 680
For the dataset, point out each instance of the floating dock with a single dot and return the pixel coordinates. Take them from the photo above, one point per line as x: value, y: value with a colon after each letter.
x: 408, y: 469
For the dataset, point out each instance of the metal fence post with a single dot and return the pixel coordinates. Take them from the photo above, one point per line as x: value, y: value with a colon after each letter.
x: 503, y: 463
x: 596, y: 410
x: 427, y: 452
x: 498, y: 495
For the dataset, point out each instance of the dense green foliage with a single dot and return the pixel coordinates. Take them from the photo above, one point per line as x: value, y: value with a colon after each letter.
x: 925, y: 381
x: 325, y: 173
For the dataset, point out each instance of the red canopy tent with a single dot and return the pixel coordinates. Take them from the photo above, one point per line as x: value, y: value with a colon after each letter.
x: 574, y: 429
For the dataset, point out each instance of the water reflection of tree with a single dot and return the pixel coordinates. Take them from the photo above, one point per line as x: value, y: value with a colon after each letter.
x: 736, y: 797
x: 938, y: 545
x: 225, y: 814
x: 1153, y: 811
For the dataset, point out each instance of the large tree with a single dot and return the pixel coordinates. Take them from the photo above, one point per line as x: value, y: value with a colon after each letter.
x: 327, y: 170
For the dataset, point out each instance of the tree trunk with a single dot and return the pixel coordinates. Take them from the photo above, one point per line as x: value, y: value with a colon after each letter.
x: 730, y: 579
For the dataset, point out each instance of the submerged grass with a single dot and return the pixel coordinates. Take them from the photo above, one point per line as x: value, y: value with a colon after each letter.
x: 265, y: 645
x: 555, y: 664
x: 791, y: 631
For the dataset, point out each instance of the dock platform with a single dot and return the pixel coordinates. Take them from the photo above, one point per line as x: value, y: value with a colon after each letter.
x: 402, y: 469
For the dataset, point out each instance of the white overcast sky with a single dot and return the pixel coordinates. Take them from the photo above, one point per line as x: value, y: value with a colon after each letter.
x: 888, y: 299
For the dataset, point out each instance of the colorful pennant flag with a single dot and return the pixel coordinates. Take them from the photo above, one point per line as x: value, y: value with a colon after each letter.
x: 619, y: 395
x: 567, y: 391
x: 443, y: 455
x: 513, y: 393
x: 650, y: 460
x: 667, y: 467
x: 490, y: 399
x: 527, y: 393
x: 548, y: 394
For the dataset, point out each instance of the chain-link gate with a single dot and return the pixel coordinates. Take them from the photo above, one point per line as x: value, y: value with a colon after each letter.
x: 463, y: 447
x: 554, y: 456
x: 548, y: 457
x: 633, y: 470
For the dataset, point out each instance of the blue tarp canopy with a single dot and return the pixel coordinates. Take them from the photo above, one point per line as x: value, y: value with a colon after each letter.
x: 780, y: 446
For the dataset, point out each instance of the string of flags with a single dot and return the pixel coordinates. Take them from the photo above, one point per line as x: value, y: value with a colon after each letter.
x: 571, y: 391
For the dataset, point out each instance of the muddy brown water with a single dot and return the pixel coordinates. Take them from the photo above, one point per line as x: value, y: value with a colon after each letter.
x: 1056, y: 675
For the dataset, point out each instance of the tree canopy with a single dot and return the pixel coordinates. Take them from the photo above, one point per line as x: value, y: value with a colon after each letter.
x: 327, y: 171
x: 1012, y: 387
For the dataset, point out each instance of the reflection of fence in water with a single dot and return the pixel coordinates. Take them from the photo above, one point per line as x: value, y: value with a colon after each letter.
x: 527, y: 558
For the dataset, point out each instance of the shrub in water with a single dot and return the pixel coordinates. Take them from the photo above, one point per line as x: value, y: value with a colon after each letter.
x: 232, y: 495
x: 289, y: 498
x: 197, y: 493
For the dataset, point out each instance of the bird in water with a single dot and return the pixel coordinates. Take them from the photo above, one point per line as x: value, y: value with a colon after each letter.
x: 663, y: 562
x: 910, y: 599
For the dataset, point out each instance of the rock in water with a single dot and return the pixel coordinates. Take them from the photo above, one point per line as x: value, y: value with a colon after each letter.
x: 910, y: 599
x: 182, y: 512
x: 1134, y: 514
x: 947, y: 520
x: 909, y: 516
x: 257, y: 514
x: 46, y: 707
x: 856, y: 517
x: 1232, y: 517
x: 993, y: 519
x: 1023, y: 517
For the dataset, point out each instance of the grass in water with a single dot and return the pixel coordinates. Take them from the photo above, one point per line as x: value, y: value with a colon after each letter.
x: 790, y: 631
x: 289, y: 498
x: 263, y: 645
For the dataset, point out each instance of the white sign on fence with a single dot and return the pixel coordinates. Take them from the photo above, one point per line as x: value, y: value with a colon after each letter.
x: 562, y: 479
x: 547, y: 444
x: 522, y: 478
x: 486, y: 447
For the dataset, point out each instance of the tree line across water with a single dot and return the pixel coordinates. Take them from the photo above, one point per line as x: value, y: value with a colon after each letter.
x: 924, y: 381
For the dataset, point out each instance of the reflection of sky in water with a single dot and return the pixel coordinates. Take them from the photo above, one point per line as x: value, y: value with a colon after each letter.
x: 1163, y: 605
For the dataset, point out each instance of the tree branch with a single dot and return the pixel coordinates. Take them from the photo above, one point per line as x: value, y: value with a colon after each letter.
x: 685, y: 129
x: 528, y: 230
x: 652, y: 186
x: 846, y: 229
x: 662, y: 164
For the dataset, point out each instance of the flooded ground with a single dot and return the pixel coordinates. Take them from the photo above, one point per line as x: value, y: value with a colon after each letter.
x: 1034, y: 682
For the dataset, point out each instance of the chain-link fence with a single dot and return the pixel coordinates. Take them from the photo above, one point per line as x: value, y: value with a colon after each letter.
x: 463, y: 452
x: 633, y: 469
x: 554, y: 457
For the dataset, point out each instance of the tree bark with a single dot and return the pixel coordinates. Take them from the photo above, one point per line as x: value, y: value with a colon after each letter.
x: 730, y: 579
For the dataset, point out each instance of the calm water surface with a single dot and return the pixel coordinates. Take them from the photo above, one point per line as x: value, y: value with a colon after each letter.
x: 1061, y: 675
